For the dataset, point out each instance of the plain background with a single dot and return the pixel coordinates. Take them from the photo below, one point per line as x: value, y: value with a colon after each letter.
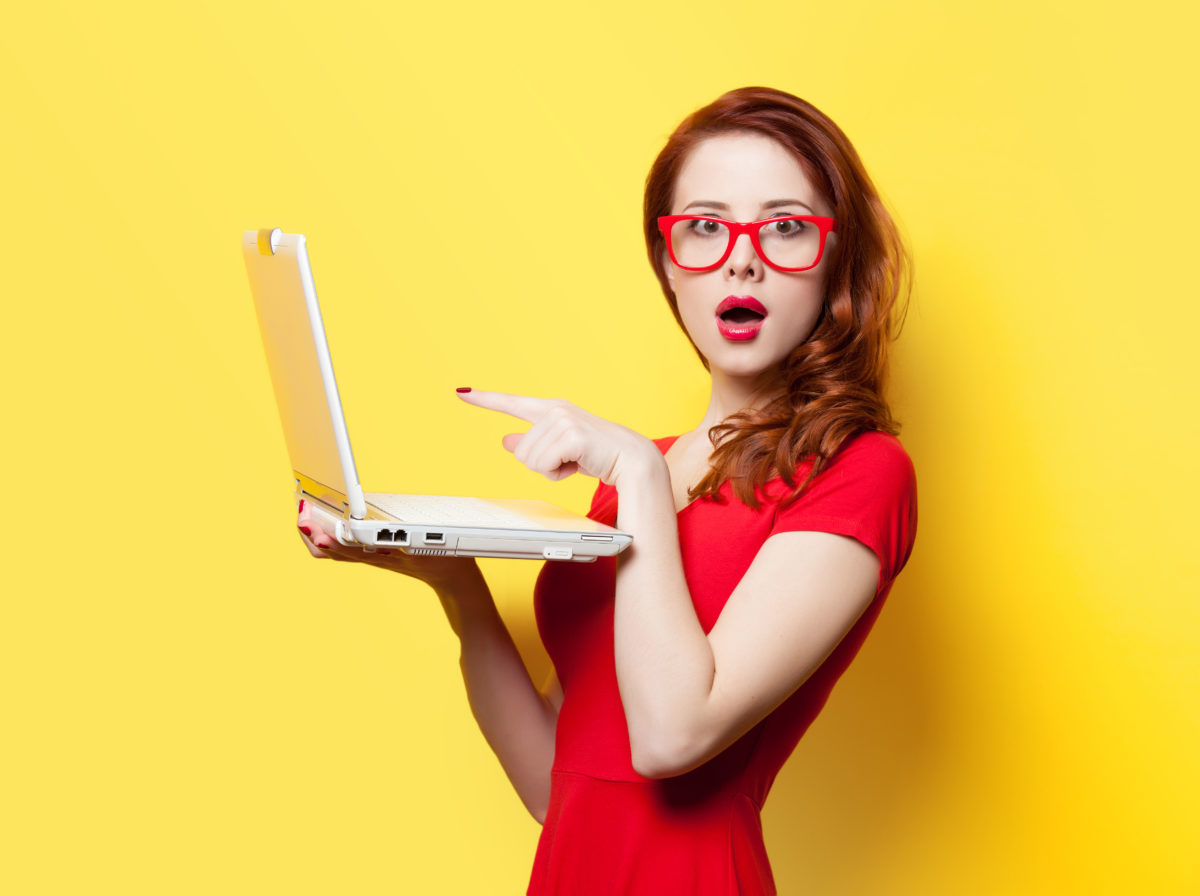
x: 191, y: 705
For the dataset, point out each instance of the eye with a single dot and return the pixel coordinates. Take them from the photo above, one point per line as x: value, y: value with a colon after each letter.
x: 787, y: 227
x: 704, y: 227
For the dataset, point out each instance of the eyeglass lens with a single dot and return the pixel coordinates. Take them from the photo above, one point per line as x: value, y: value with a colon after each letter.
x: 787, y: 243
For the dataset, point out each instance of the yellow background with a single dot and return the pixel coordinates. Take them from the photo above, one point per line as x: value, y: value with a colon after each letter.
x: 191, y: 705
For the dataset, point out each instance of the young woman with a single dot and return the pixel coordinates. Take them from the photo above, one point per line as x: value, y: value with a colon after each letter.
x: 765, y: 539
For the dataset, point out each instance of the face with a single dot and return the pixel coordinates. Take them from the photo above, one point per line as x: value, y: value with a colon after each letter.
x: 747, y: 177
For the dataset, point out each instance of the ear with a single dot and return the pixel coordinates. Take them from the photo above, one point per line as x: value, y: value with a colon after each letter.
x: 668, y: 268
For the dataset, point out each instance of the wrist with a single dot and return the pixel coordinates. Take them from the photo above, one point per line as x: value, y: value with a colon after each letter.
x: 467, y: 602
x: 460, y: 581
x: 646, y: 468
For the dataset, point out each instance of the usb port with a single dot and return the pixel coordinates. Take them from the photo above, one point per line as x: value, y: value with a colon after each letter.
x: 435, y: 537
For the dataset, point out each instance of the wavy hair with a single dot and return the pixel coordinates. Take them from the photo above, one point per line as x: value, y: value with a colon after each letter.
x: 831, y: 386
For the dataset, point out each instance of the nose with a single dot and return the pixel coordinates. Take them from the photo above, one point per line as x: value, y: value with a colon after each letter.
x: 743, y: 261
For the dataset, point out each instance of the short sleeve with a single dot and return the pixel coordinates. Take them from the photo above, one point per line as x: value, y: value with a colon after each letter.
x: 868, y: 493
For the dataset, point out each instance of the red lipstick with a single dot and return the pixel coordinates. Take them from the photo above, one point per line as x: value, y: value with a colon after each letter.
x: 739, y: 318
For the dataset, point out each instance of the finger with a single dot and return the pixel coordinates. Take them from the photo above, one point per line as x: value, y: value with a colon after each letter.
x: 324, y: 544
x: 306, y: 535
x: 524, y: 407
x: 304, y: 525
x: 556, y: 457
x: 512, y: 441
x: 313, y: 529
x: 549, y: 454
x: 312, y: 548
x: 546, y: 431
x: 333, y: 549
x: 315, y: 539
x: 563, y: 472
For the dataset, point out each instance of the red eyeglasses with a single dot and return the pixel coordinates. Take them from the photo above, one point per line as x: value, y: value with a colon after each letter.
x: 790, y: 243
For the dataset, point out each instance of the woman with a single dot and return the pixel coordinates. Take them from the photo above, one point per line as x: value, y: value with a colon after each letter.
x: 765, y: 539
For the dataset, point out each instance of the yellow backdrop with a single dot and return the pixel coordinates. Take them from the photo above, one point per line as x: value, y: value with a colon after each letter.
x: 191, y: 705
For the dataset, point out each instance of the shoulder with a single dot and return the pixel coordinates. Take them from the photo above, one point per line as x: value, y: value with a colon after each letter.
x: 868, y: 491
x: 869, y: 460
x: 877, y: 456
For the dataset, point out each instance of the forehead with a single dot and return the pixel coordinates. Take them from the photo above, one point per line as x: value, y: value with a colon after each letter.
x: 742, y: 170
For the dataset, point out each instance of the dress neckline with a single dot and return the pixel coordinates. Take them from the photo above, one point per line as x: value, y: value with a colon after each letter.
x: 664, y: 445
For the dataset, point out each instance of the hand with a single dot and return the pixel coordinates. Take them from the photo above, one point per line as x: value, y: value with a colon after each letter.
x: 565, y: 439
x: 438, y: 572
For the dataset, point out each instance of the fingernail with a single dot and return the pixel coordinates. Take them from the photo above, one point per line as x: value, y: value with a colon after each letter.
x: 463, y: 389
x: 300, y: 509
x: 306, y: 530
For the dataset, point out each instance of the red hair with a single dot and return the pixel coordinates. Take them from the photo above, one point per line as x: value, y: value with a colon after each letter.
x: 831, y: 386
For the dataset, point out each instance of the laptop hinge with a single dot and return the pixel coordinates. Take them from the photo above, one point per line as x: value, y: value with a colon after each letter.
x: 329, y: 498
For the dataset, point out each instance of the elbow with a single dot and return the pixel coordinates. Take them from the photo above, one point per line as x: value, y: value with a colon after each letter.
x: 539, y: 809
x: 656, y: 770
x: 665, y: 757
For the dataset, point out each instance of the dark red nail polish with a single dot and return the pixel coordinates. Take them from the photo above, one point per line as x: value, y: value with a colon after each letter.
x: 300, y: 509
x: 307, y: 531
x: 463, y: 389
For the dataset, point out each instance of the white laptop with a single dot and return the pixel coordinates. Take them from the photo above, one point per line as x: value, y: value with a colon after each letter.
x: 318, y: 444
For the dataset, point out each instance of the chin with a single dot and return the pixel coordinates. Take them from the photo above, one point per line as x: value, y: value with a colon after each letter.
x: 742, y: 368
x: 741, y: 359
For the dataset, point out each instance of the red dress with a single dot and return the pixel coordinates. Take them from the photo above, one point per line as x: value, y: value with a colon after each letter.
x: 610, y: 831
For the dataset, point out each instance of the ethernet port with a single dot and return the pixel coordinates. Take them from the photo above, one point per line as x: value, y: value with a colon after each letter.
x: 384, y: 536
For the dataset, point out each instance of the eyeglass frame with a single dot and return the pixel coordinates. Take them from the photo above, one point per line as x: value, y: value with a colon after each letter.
x: 736, y: 228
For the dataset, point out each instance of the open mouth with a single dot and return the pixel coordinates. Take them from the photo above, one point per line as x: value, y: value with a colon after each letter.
x: 741, y: 316
x: 741, y: 310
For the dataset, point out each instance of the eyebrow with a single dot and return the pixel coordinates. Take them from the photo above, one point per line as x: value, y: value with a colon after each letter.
x: 724, y: 207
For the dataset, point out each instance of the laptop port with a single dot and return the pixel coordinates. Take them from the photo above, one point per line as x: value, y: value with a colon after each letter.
x: 435, y: 537
x: 384, y: 536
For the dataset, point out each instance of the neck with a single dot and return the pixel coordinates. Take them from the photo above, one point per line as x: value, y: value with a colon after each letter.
x: 731, y: 394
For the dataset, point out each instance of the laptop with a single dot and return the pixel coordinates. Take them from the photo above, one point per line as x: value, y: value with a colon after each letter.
x: 318, y: 443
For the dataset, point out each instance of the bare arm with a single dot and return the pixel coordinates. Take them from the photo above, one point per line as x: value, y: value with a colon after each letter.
x: 687, y: 695
x: 516, y: 719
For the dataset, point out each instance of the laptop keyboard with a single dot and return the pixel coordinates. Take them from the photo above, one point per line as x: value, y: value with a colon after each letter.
x: 450, y: 510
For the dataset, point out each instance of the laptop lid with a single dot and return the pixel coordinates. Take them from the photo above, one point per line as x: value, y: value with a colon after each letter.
x: 293, y: 334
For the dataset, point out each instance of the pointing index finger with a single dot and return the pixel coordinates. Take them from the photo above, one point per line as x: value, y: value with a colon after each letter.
x: 524, y: 407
